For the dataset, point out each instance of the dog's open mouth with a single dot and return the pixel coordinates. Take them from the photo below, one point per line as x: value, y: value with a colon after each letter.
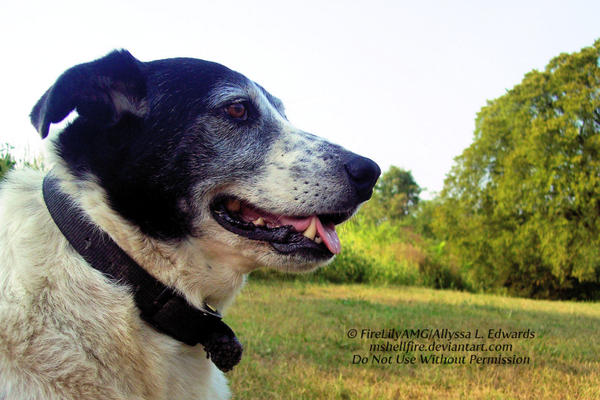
x: 313, y: 234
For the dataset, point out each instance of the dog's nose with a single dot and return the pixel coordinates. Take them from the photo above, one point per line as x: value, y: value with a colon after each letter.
x: 363, y: 174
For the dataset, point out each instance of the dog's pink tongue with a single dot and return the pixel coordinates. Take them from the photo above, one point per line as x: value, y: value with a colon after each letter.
x: 329, y: 236
x: 326, y: 232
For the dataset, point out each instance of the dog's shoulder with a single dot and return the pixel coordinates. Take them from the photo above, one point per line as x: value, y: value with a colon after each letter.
x: 19, y: 186
x: 26, y: 229
x: 24, y: 221
x: 42, y: 303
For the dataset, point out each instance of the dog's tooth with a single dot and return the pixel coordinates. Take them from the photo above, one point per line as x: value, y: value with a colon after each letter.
x: 259, y: 222
x: 318, y: 240
x: 234, y: 205
x: 311, y: 231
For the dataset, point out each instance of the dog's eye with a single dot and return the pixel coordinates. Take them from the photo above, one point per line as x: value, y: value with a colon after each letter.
x: 237, y: 111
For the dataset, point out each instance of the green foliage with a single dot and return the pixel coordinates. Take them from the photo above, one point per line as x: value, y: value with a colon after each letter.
x: 384, y: 251
x: 395, y: 195
x: 521, y: 206
x: 7, y: 162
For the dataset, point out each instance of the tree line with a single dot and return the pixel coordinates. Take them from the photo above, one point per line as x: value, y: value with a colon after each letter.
x: 520, y: 208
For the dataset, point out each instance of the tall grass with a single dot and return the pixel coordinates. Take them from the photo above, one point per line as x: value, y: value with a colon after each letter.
x: 382, y: 253
x: 8, y: 160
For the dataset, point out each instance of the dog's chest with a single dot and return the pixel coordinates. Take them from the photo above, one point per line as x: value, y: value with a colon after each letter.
x: 67, y: 332
x: 192, y: 376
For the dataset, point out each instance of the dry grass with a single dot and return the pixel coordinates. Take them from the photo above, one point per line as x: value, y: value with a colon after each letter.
x: 295, y: 336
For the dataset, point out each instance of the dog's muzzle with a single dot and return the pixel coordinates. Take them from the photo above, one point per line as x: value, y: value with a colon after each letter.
x: 313, y: 235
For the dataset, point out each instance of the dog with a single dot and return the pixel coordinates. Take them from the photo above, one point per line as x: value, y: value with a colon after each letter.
x: 196, y: 174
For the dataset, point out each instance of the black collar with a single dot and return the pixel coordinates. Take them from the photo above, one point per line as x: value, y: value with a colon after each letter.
x: 159, y: 305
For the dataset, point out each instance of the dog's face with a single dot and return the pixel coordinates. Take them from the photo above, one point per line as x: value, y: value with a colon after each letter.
x: 188, y: 148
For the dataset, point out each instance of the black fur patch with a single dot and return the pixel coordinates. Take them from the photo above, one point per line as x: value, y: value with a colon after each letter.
x: 149, y: 166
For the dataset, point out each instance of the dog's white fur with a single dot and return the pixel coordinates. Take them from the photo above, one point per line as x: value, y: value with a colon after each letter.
x: 67, y: 332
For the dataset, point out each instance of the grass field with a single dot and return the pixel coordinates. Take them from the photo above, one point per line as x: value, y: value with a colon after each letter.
x: 297, y: 346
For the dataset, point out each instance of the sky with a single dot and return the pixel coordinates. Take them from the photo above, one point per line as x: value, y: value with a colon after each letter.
x: 400, y: 82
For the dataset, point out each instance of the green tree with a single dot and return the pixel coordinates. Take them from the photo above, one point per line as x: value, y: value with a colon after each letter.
x: 394, y: 196
x: 521, y: 206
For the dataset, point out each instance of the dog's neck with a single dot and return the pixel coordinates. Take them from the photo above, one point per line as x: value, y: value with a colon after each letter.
x: 203, y: 271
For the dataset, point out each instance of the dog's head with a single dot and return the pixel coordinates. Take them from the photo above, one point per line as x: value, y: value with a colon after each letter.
x: 189, y: 148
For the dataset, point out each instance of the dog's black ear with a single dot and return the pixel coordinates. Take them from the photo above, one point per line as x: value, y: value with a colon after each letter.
x: 101, y: 90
